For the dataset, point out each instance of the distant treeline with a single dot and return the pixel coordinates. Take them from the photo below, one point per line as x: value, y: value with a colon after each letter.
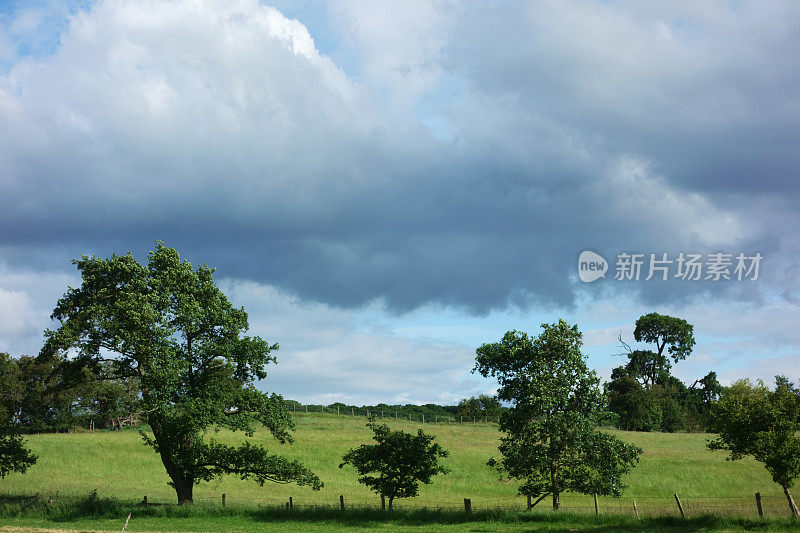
x: 480, y: 408
x: 34, y: 398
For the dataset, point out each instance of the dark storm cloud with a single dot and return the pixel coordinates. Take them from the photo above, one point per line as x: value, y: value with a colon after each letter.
x: 221, y: 130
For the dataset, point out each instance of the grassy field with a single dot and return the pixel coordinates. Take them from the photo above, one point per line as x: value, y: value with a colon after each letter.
x: 117, y: 465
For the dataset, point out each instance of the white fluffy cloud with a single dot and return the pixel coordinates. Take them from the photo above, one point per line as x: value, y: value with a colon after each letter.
x: 456, y: 156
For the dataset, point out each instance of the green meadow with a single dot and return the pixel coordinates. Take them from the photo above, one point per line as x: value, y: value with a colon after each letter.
x: 121, y: 469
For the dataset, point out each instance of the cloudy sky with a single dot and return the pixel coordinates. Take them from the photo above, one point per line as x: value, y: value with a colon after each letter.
x: 385, y: 186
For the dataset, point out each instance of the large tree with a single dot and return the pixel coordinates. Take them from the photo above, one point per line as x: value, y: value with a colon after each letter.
x: 168, y: 326
x: 397, y: 463
x: 756, y: 421
x: 551, y: 441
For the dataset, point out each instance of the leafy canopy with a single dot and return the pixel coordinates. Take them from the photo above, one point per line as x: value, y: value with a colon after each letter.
x: 753, y: 420
x: 551, y: 443
x: 666, y: 332
x: 169, y: 327
x: 14, y: 456
x: 398, y: 462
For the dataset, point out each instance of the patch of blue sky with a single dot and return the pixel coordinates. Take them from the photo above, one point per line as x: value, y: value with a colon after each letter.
x: 314, y: 15
x: 34, y: 29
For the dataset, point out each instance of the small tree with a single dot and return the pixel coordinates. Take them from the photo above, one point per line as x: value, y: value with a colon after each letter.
x: 551, y: 442
x: 170, y: 328
x: 395, y: 466
x: 752, y: 420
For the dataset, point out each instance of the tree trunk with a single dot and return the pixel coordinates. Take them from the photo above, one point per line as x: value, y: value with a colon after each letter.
x: 792, y: 505
x: 554, y: 485
x: 391, y: 499
x: 184, y: 488
x: 182, y: 483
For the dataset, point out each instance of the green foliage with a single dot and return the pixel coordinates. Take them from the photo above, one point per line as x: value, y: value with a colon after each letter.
x: 643, y: 393
x: 108, y: 402
x: 551, y: 442
x: 637, y: 408
x: 398, y: 462
x: 753, y: 420
x: 14, y: 456
x: 168, y: 326
x: 674, y: 334
x: 477, y: 408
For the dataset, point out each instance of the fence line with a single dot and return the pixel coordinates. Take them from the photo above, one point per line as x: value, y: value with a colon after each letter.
x: 396, y: 414
x: 753, y: 506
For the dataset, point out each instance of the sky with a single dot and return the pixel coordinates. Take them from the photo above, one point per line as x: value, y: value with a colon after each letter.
x: 385, y: 186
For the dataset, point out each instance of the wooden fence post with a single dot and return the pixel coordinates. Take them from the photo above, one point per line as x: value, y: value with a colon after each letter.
x: 680, y: 507
x: 758, y: 504
x: 423, y: 418
x: 596, y: 507
x: 144, y: 501
x: 635, y: 510
x: 223, y: 499
x: 467, y: 505
x: 291, y: 503
x: 341, y: 501
x: 287, y: 506
x: 337, y: 410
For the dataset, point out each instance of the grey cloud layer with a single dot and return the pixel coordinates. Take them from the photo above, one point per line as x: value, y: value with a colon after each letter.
x: 221, y: 129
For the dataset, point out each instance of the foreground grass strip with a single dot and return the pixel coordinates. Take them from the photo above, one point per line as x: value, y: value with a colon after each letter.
x: 101, y: 514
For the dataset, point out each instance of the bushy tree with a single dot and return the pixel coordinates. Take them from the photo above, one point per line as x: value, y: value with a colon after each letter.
x: 551, y: 441
x: 753, y: 420
x: 14, y: 456
x: 398, y: 462
x: 636, y: 407
x: 476, y: 408
x: 109, y: 403
x: 169, y: 327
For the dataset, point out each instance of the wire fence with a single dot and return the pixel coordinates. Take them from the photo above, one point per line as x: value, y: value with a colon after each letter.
x: 657, y: 506
x: 390, y: 414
